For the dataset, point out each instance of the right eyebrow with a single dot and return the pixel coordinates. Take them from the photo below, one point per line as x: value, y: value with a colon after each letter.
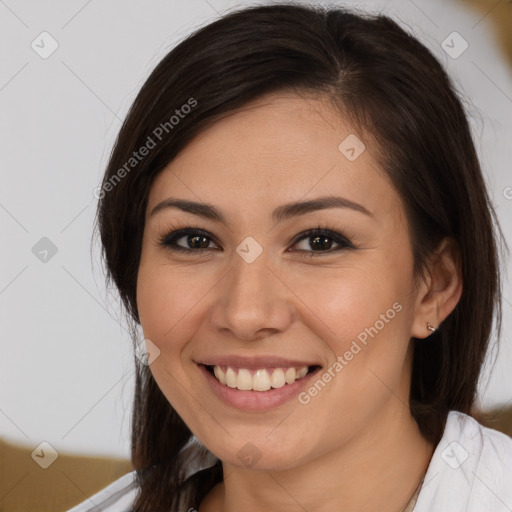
x: 207, y: 211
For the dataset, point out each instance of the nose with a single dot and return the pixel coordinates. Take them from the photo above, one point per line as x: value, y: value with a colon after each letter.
x: 252, y: 301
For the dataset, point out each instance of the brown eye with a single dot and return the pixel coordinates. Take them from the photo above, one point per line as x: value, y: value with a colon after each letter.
x: 195, y: 241
x: 188, y: 240
x: 322, y: 241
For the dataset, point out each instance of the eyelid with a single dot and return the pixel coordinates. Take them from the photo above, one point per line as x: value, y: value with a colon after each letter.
x: 339, y: 238
x: 175, y: 233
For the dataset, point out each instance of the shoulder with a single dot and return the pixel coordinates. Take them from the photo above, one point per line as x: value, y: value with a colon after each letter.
x: 470, y: 470
x: 119, y: 496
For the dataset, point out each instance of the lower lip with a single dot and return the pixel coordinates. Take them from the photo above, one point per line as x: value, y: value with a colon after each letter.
x: 256, y: 400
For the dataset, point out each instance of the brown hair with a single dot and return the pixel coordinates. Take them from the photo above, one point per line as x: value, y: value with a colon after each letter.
x: 395, y: 91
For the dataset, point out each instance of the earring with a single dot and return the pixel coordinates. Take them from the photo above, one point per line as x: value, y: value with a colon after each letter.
x: 430, y: 328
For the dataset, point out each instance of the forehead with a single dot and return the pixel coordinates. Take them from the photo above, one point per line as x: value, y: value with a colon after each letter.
x: 278, y: 136
x: 279, y: 148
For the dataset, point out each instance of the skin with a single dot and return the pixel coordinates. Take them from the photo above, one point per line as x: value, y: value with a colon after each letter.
x: 355, y: 445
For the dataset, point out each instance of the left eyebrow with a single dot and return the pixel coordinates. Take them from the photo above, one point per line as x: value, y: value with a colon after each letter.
x: 320, y: 203
x: 280, y: 214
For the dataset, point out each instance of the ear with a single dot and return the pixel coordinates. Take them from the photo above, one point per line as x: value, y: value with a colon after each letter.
x: 439, y: 290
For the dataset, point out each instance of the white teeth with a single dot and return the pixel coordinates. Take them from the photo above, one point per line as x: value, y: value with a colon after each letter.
x: 290, y: 375
x: 230, y: 378
x: 259, y: 380
x: 302, y: 372
x: 277, y: 378
x: 219, y: 374
x: 244, y: 380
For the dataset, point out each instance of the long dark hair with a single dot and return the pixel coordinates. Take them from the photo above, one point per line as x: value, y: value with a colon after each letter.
x: 389, y: 86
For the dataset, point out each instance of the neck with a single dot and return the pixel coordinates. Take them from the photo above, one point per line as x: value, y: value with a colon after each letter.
x: 379, y: 469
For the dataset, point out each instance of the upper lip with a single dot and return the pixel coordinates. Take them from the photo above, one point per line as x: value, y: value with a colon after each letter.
x: 255, y: 362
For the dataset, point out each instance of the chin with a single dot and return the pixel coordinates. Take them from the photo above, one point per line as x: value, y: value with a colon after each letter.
x: 258, y: 453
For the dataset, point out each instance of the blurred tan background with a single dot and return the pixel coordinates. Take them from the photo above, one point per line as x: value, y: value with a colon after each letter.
x: 499, y: 14
x: 71, y: 479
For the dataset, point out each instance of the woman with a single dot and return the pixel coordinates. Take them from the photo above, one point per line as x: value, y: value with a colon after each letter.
x: 295, y: 215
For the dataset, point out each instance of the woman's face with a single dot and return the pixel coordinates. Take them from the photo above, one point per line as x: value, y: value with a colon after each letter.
x: 259, y: 298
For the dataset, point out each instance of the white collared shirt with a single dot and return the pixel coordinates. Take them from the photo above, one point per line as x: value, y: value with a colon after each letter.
x: 470, y: 471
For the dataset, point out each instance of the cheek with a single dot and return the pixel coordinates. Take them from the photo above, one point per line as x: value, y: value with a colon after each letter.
x: 154, y: 301
x: 167, y: 305
x: 364, y: 317
x: 167, y: 300
x: 167, y: 317
x: 350, y: 301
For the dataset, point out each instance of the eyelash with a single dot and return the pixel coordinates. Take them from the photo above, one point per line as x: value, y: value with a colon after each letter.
x: 174, y: 233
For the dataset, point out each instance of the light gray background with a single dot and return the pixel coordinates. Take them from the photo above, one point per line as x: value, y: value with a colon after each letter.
x: 66, y: 361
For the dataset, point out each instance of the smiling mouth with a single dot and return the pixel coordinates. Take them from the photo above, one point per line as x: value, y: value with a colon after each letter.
x: 260, y: 379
